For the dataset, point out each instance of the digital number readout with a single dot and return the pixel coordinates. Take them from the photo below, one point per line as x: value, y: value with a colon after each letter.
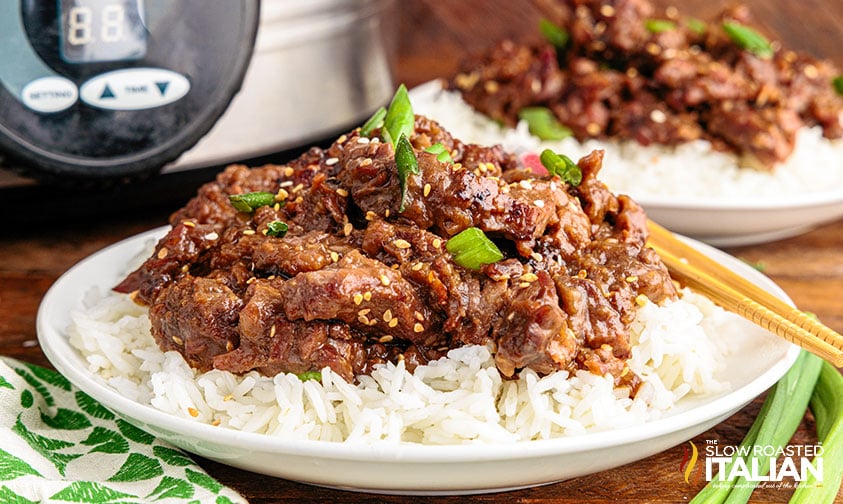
x: 102, y: 30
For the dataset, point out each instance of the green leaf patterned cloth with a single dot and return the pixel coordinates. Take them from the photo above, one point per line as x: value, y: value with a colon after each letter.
x: 57, y: 444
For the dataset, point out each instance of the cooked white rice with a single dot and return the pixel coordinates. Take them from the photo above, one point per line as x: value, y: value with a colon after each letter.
x: 690, y: 170
x: 458, y: 399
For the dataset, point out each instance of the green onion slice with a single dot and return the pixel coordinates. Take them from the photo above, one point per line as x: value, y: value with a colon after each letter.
x: 543, y: 123
x: 277, y: 229
x: 748, y: 39
x: 399, y: 119
x: 562, y: 166
x: 837, y: 84
x: 248, y: 202
x: 554, y: 33
x: 697, y: 26
x: 407, y: 163
x: 659, y: 25
x: 472, y: 249
x: 373, y: 123
x: 442, y: 154
x: 309, y: 375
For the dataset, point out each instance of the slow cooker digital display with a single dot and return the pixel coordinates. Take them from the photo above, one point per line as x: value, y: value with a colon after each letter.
x: 101, y: 30
x: 115, y: 89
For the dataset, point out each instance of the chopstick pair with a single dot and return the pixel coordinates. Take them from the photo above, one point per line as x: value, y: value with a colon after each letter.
x: 737, y: 294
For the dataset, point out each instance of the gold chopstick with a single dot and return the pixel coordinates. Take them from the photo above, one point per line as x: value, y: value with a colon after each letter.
x: 739, y: 295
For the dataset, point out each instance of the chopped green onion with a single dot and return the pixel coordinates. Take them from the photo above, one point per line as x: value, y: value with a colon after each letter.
x: 543, y: 123
x: 562, y: 166
x: 827, y: 407
x: 778, y: 419
x: 659, y: 25
x: 748, y: 39
x: 407, y: 163
x: 309, y: 375
x: 248, y: 202
x: 373, y: 123
x: 837, y: 83
x: 399, y: 119
x: 697, y: 26
x: 472, y: 249
x: 442, y: 154
x: 554, y: 33
x: 277, y: 229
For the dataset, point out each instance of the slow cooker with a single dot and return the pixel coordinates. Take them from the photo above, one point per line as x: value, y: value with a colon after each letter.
x: 119, y: 90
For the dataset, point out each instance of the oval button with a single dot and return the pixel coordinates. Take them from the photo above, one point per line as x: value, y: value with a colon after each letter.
x: 49, y: 94
x: 134, y: 89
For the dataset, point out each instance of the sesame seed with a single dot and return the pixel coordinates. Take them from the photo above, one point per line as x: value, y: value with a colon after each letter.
x: 582, y: 274
x: 417, y: 327
x: 524, y: 284
x: 437, y: 243
x: 384, y: 280
x: 416, y: 266
x: 178, y: 341
x: 641, y: 300
x: 298, y: 188
x: 525, y: 184
x: 426, y: 190
x: 810, y: 71
x: 286, y: 183
x: 229, y: 346
x: 418, y: 316
x: 592, y: 128
x: 625, y: 371
x: 632, y: 72
x: 358, y: 298
x: 212, y: 236
x: 189, y: 224
x: 370, y: 215
x: 334, y: 256
x: 272, y: 331
x: 248, y: 232
x: 193, y: 412
x: 347, y: 228
x: 539, y: 203
x: 289, y: 171
x: 276, y: 206
x: 671, y: 12
x: 385, y: 338
x: 342, y: 139
x: 366, y: 162
x: 331, y: 161
x: 491, y: 87
x: 363, y: 319
x: 216, y: 422
x: 607, y: 10
x: 362, y: 140
x: 529, y: 277
x: 367, y: 296
x: 632, y: 278
x: 387, y: 315
x: 653, y: 48
x: 536, y: 257
x: 185, y: 268
x: 401, y: 243
x: 657, y: 116
x: 364, y: 312
x: 393, y: 322
x: 163, y: 253
x: 251, y: 280
x: 342, y: 192
x: 386, y: 213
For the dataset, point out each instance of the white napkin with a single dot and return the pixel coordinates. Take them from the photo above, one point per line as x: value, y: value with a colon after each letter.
x: 57, y: 444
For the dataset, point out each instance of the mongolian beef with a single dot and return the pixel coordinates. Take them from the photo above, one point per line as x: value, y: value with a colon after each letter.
x: 344, y: 259
x: 617, y: 69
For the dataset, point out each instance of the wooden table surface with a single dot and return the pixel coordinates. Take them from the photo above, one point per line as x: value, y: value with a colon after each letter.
x: 432, y: 37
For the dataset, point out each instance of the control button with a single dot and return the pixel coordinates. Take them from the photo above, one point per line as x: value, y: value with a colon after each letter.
x: 49, y: 94
x: 134, y: 89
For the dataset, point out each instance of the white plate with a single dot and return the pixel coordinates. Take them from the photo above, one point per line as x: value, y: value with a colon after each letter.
x: 777, y: 210
x: 411, y: 468
x: 745, y: 222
